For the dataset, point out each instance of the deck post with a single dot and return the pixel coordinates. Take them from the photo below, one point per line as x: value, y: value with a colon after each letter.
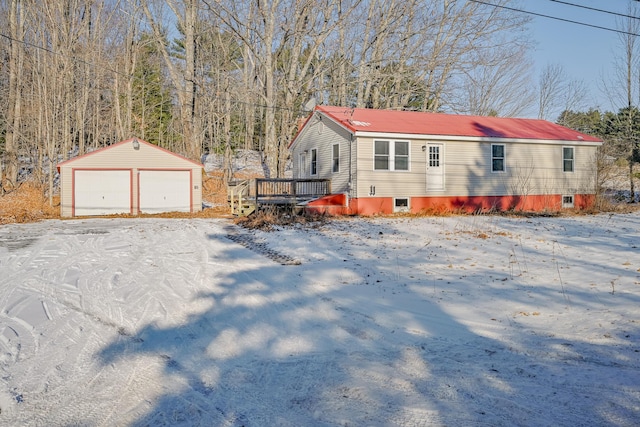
x: 294, y: 190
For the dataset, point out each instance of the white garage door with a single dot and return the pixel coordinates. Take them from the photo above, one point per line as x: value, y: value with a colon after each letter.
x: 102, y: 192
x: 165, y: 191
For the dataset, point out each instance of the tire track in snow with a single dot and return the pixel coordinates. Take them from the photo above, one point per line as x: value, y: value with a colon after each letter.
x: 250, y: 242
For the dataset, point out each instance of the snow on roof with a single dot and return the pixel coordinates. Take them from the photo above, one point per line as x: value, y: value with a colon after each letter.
x: 421, y: 123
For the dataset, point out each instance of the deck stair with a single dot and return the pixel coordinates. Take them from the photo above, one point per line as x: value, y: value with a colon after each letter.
x: 241, y: 201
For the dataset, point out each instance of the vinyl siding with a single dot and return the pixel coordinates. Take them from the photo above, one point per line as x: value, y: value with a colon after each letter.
x: 531, y: 168
x: 390, y: 183
x: 322, y: 136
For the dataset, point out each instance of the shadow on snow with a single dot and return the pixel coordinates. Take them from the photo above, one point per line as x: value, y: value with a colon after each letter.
x: 320, y: 344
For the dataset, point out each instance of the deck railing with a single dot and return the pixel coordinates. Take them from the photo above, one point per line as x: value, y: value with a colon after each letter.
x: 292, y: 190
x: 275, y: 191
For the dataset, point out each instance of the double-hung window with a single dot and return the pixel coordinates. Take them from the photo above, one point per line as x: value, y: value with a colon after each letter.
x: 391, y: 155
x: 381, y: 155
x: 497, y: 158
x: 302, y: 161
x: 568, y: 159
x: 336, y: 158
x: 401, y: 156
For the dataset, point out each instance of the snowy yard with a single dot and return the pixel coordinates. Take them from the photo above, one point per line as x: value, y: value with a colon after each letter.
x: 456, y: 321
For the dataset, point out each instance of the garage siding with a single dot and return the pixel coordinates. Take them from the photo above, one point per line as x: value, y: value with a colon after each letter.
x: 123, y: 156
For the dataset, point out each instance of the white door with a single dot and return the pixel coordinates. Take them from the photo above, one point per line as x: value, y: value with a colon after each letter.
x: 100, y: 192
x: 435, y: 167
x: 165, y: 191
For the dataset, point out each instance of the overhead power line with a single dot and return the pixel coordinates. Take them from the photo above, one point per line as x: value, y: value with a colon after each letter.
x: 623, y: 15
x: 556, y: 18
x: 53, y: 52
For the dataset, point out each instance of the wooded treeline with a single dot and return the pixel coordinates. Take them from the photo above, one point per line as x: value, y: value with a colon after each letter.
x: 200, y: 76
x: 197, y: 76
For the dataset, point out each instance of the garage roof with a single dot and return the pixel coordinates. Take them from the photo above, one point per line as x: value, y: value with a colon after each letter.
x: 126, y: 155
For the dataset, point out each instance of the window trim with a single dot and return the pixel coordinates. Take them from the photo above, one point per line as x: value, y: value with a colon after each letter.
x: 572, y: 159
x: 434, y: 155
x: 302, y: 161
x: 568, y: 204
x: 402, y: 208
x: 313, y: 162
x: 391, y: 155
x: 376, y: 155
x: 335, y: 160
x: 408, y: 156
x: 503, y: 158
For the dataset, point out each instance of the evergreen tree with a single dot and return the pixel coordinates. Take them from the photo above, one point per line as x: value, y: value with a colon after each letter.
x: 152, y: 101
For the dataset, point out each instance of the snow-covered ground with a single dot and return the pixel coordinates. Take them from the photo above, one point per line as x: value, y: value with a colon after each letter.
x: 456, y: 321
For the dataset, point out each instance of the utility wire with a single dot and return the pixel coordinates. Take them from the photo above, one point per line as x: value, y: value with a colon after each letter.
x: 76, y: 59
x: 623, y: 15
x: 556, y: 18
x: 53, y: 52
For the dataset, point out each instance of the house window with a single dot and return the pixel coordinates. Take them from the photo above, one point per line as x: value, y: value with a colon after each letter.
x: 434, y: 157
x: 567, y: 201
x: 314, y: 161
x: 336, y: 158
x: 381, y: 155
x: 401, y: 204
x: 567, y: 159
x: 497, y: 158
x: 391, y: 155
x: 302, y: 161
x: 401, y: 156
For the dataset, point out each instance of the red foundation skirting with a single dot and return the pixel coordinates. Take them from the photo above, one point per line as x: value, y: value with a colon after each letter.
x: 336, y: 204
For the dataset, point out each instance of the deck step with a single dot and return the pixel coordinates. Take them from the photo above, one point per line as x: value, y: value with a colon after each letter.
x: 247, y: 209
x: 243, y: 209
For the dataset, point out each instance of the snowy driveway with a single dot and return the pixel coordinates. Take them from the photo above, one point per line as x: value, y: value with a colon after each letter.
x: 451, y: 321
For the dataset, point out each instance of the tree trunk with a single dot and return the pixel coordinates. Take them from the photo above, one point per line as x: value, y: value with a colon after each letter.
x: 14, y: 111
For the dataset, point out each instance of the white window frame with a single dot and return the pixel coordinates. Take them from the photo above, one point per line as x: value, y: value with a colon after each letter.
x: 391, y: 155
x: 335, y: 159
x: 396, y: 156
x: 568, y: 201
x: 313, y: 162
x: 387, y: 155
x: 572, y: 159
x: 397, y: 208
x: 434, y: 155
x: 302, y: 162
x: 503, y: 158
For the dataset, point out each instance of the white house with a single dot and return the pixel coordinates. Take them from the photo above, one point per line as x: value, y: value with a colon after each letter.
x: 383, y: 161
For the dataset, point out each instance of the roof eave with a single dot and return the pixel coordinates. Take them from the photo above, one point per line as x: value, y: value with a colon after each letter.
x: 370, y: 134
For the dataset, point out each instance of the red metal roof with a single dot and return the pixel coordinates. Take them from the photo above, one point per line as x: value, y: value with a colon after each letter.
x: 419, y: 123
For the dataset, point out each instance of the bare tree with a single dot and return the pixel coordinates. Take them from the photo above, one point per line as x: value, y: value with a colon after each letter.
x: 556, y: 92
x: 625, y: 89
x: 14, y: 100
x: 183, y: 78
x: 502, y: 88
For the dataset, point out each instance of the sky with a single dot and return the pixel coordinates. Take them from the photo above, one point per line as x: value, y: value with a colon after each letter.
x: 585, y: 53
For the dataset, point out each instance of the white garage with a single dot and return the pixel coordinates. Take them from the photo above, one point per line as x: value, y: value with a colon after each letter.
x: 130, y: 177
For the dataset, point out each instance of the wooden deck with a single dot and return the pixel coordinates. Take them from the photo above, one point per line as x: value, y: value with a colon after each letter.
x: 248, y: 196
